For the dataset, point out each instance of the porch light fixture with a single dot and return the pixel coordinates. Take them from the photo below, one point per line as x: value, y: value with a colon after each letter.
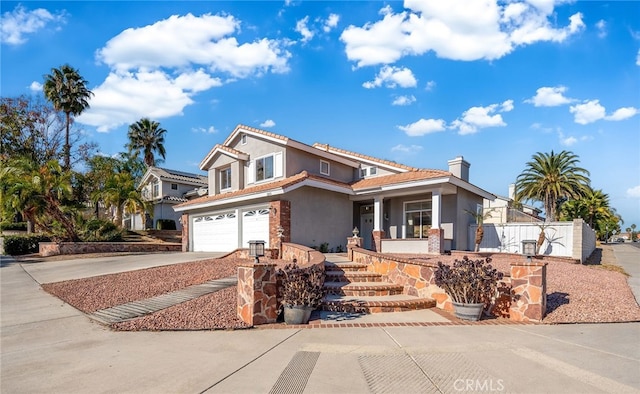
x: 256, y: 249
x: 529, y: 249
x: 355, y: 232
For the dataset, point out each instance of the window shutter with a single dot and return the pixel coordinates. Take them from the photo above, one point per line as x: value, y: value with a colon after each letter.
x: 251, y: 172
x: 277, y: 165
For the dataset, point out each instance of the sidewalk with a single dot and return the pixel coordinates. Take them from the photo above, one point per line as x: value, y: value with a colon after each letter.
x: 48, y: 346
x: 628, y: 257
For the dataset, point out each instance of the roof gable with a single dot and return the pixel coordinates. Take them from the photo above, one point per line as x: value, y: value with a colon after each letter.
x: 224, y: 150
x: 165, y: 174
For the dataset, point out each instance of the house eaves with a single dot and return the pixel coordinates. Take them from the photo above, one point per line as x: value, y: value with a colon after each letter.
x: 286, y: 141
x: 265, y: 190
x: 364, y: 158
x: 224, y: 150
x: 163, y: 174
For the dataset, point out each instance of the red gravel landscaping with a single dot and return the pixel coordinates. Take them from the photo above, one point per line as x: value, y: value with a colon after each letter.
x: 575, y: 294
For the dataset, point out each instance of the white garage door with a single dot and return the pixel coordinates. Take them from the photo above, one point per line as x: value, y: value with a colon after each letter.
x: 255, y: 227
x: 215, y: 233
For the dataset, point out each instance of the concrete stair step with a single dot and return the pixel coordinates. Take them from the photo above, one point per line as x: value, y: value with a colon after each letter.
x: 331, y: 266
x: 368, y: 289
x: 380, y: 304
x: 352, y: 276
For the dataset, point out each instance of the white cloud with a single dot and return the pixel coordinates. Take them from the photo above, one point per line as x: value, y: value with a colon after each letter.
x: 423, y: 126
x: 411, y: 149
x: 507, y: 106
x: 123, y: 98
x: 476, y: 118
x: 392, y: 77
x: 156, y: 69
x: 567, y: 141
x: 268, y: 123
x: 550, y: 97
x: 430, y: 86
x: 588, y: 112
x: 20, y: 22
x: 404, y: 100
x: 35, y: 87
x: 601, y: 25
x: 634, y: 192
x: 181, y: 41
x: 455, y: 29
x: 623, y: 113
x: 206, y: 130
x: 303, y: 29
x: 331, y: 22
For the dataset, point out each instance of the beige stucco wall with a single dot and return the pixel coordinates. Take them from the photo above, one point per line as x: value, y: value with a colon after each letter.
x: 297, y: 161
x: 319, y: 216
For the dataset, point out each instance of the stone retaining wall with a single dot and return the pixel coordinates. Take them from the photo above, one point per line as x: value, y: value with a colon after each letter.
x: 258, y: 285
x: 522, y: 297
x: 58, y: 248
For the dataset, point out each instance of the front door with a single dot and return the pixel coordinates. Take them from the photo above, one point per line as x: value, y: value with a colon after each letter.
x: 366, y: 229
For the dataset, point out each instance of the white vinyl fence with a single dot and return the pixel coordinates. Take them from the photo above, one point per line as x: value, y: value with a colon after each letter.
x: 563, y: 239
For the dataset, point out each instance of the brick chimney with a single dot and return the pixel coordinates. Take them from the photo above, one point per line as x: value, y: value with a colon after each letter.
x: 460, y: 168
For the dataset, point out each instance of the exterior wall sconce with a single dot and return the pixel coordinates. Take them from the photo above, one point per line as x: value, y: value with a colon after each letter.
x: 256, y: 249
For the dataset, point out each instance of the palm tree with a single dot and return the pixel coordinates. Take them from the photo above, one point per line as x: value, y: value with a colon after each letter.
x: 120, y: 194
x: 38, y: 192
x: 551, y: 177
x: 68, y: 92
x: 479, y: 217
x: 147, y: 136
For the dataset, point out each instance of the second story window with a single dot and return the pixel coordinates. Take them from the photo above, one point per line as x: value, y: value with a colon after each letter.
x: 264, y: 168
x: 225, y: 178
x: 155, y: 189
x: 174, y: 186
x: 324, y: 167
x: 368, y: 171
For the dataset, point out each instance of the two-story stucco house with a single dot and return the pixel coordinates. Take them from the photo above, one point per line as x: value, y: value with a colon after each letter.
x: 260, y: 181
x: 165, y: 188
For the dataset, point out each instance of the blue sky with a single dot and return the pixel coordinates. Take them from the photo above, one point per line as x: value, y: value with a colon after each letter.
x: 418, y: 82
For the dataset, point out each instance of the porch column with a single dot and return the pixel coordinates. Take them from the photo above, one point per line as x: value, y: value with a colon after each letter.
x: 436, y: 209
x: 436, y: 233
x: 378, y: 232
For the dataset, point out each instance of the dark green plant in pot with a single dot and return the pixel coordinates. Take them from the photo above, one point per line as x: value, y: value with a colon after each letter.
x: 301, y: 290
x: 469, y: 282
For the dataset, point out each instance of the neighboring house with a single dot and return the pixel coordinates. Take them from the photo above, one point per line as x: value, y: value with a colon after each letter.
x: 505, y: 210
x: 166, y: 188
x: 260, y: 182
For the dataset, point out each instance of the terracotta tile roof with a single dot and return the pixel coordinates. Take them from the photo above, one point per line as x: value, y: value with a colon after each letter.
x: 404, y: 177
x: 258, y: 131
x: 180, y: 175
x: 283, y: 183
x: 326, y: 147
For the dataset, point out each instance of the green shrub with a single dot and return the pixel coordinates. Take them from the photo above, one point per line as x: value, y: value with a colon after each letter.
x: 18, y: 226
x: 165, y: 224
x: 23, y: 244
x: 98, y: 230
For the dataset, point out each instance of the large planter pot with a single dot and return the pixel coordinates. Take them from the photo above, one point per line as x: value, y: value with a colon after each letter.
x: 468, y: 311
x: 297, y: 314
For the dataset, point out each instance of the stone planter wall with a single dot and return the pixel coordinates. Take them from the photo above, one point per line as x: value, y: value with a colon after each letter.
x: 58, y: 248
x: 522, y: 296
x: 258, y: 286
x: 257, y: 293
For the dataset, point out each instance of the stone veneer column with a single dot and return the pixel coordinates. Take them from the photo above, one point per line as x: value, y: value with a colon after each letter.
x: 279, y: 216
x: 184, y: 220
x: 529, y: 291
x: 353, y: 242
x: 257, y: 293
x: 436, y: 240
x: 376, y: 237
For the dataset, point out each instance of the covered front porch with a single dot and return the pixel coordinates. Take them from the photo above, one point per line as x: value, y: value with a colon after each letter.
x: 418, y: 222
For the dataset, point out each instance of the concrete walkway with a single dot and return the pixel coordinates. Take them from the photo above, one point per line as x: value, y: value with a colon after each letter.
x: 628, y: 257
x: 46, y: 346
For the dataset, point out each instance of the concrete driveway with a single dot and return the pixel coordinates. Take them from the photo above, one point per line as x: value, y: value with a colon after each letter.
x: 49, y: 347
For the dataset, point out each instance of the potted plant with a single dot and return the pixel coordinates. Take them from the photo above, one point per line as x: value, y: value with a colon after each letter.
x: 301, y: 291
x: 471, y: 284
